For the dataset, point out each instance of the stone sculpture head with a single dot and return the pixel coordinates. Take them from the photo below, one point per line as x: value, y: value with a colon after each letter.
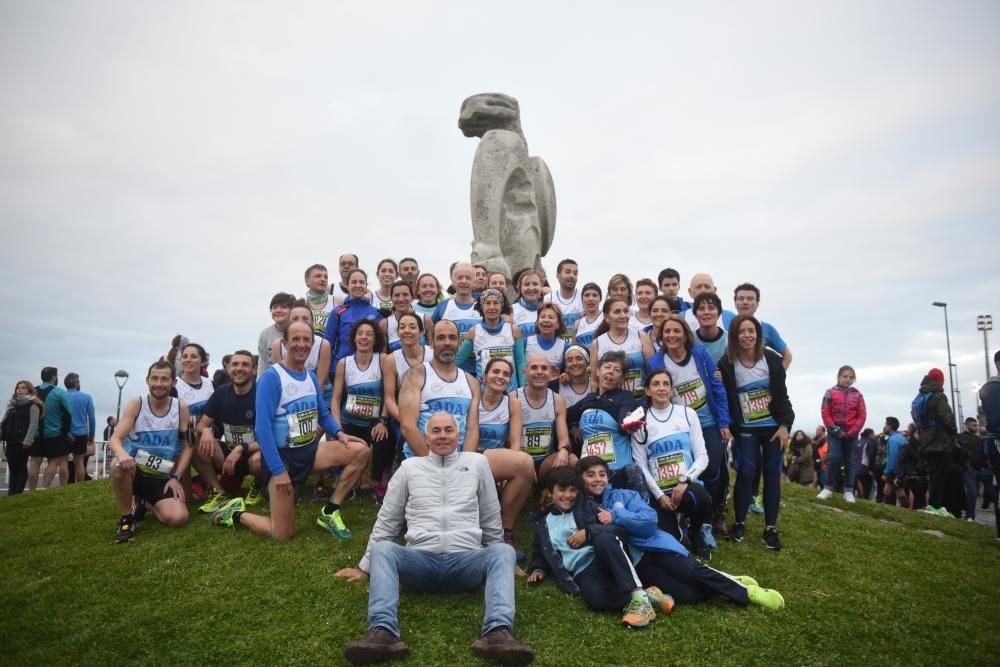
x: 489, y: 111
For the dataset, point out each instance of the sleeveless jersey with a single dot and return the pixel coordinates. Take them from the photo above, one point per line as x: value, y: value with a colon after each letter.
x: 753, y: 388
x: 321, y: 315
x: 601, y: 437
x: 440, y: 395
x: 153, y: 441
x: 312, y: 361
x: 402, y: 365
x: 392, y: 333
x: 668, y: 443
x: 572, y: 309
x: 499, y: 345
x: 571, y: 396
x: 635, y: 374
x: 524, y: 316
x: 635, y: 324
x: 465, y: 317
x: 494, y: 425
x: 716, y: 348
x: 690, y: 387
x: 538, y: 425
x: 362, y: 401
x: 554, y: 354
x: 194, y: 397
x: 384, y: 306
x: 296, y: 416
x: 585, y: 330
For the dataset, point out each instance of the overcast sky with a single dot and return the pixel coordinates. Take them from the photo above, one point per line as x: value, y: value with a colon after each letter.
x: 166, y: 167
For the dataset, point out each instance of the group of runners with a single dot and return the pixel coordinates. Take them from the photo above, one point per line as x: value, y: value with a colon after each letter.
x: 346, y: 379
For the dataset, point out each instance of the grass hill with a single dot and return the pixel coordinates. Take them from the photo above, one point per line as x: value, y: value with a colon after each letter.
x: 863, y: 584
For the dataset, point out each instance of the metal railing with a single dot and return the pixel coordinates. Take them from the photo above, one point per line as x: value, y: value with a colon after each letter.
x: 97, y: 466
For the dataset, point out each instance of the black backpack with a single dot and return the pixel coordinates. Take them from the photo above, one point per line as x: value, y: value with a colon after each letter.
x: 67, y: 419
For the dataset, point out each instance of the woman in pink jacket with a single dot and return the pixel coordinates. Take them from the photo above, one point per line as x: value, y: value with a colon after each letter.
x: 844, y: 416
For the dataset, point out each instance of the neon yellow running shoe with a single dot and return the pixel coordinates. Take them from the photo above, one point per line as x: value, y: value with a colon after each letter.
x: 224, y: 515
x: 216, y: 500
x: 334, y: 523
x: 253, y: 495
x: 765, y: 597
x: 744, y: 580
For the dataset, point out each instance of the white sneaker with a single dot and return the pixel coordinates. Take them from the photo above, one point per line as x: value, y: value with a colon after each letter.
x: 849, y: 497
x: 825, y: 494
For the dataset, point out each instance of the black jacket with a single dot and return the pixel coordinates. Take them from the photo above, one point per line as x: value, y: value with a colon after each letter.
x: 781, y: 406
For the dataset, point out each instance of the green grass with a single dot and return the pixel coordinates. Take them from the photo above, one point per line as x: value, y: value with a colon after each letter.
x: 862, y: 586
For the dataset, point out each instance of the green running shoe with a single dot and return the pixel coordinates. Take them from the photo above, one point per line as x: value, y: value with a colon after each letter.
x: 660, y: 600
x: 253, y: 495
x: 744, y: 580
x: 334, y: 523
x: 216, y: 500
x: 765, y: 597
x: 224, y: 515
x: 638, y: 614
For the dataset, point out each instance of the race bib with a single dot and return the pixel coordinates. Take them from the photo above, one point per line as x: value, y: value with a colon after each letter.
x: 755, y: 404
x: 601, y: 445
x: 633, y: 382
x: 368, y: 408
x: 668, y: 468
x: 319, y: 320
x: 537, y: 440
x: 302, y: 427
x: 693, y: 393
x: 238, y: 435
x: 151, y: 464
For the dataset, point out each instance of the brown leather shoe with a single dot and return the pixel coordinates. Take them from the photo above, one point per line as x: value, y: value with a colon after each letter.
x: 379, y: 645
x: 499, y: 644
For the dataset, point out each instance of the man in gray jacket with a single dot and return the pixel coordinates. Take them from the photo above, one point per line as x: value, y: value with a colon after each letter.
x: 447, y: 502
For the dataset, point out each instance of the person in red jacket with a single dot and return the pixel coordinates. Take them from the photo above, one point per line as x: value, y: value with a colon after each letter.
x: 844, y: 416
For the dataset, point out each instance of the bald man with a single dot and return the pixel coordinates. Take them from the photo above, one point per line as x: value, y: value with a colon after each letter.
x: 459, y: 547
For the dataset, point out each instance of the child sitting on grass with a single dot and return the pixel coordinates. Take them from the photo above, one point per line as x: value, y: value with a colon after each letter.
x: 662, y: 564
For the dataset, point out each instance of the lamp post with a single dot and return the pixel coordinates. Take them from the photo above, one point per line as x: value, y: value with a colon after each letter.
x: 958, y: 399
x: 121, y: 377
x: 984, y: 323
x: 947, y: 340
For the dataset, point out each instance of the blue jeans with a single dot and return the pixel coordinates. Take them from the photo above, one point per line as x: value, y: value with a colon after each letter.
x: 421, y: 571
x: 971, y: 479
x: 840, y: 449
x: 755, y: 452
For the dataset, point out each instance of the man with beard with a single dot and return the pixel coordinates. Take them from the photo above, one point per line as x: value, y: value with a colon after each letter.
x: 231, y: 410
x: 567, y: 297
x: 151, y: 454
x: 439, y: 386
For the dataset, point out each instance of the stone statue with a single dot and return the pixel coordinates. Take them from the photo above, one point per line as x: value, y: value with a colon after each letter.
x: 513, y: 199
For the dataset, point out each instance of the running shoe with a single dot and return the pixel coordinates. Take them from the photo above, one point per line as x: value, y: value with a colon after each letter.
x: 825, y: 494
x: 755, y: 505
x: 215, y: 501
x: 253, y: 495
x: 737, y: 533
x: 765, y: 597
x: 638, y: 614
x: 334, y: 523
x: 659, y: 600
x: 699, y: 548
x: 719, y: 524
x: 744, y: 580
x: 849, y: 497
x: 223, y: 516
x: 707, y: 537
x: 321, y: 494
x: 126, y: 530
x: 770, y: 539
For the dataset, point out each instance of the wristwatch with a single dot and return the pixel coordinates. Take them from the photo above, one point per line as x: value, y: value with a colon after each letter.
x: 682, y: 479
x: 177, y: 478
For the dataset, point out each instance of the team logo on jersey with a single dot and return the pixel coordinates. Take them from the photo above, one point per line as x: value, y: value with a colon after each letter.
x: 248, y: 414
x: 291, y: 389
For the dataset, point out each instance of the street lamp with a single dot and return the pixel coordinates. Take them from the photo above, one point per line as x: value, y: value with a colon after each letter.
x: 984, y: 323
x: 947, y: 339
x: 958, y: 398
x: 121, y: 377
